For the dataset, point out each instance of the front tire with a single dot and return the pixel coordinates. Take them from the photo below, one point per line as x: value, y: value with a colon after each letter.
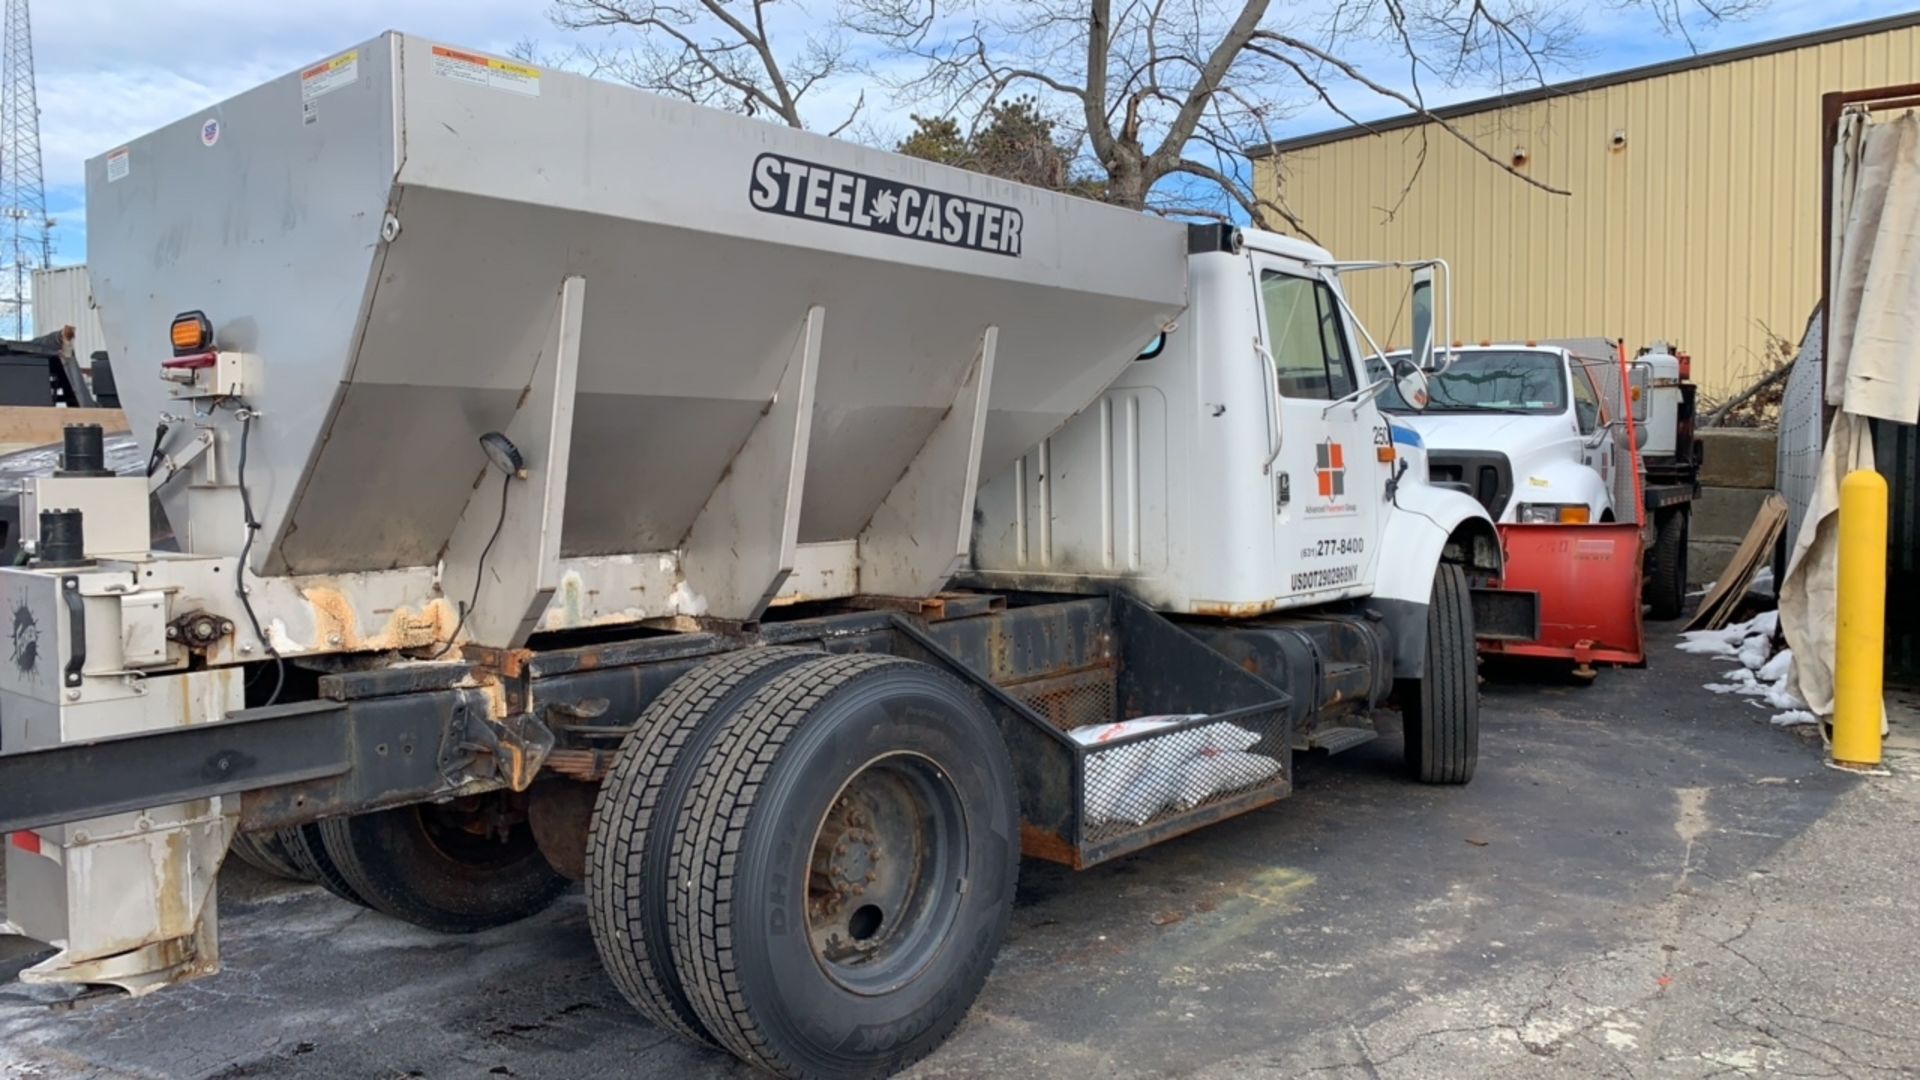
x: 847, y: 868
x: 1440, y: 713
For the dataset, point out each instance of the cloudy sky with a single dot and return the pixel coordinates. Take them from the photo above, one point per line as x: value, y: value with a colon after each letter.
x: 109, y: 70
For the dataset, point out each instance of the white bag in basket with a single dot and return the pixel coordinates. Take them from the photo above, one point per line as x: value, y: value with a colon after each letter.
x: 1111, y: 774
x: 1212, y: 772
x: 1132, y: 783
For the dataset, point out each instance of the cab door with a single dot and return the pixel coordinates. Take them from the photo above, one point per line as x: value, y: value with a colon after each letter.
x: 1324, y: 468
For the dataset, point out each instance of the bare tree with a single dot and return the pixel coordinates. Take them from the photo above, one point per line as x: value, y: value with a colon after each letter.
x: 1167, y: 95
x: 730, y: 54
x: 1155, y: 102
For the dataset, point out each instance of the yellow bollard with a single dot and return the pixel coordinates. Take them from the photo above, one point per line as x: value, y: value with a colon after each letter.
x: 1859, y: 650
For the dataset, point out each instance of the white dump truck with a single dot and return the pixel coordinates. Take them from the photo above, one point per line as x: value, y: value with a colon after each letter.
x: 779, y: 536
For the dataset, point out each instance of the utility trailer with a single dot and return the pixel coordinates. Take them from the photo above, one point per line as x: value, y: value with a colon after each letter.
x: 779, y: 536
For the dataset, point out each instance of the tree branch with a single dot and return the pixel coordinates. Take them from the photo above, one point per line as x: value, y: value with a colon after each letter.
x: 1418, y: 108
x: 1229, y: 48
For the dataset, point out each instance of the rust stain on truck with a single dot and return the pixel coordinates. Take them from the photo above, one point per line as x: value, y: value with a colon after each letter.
x: 336, y: 624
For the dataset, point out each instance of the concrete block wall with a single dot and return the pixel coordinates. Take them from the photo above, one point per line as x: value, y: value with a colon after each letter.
x: 1735, y: 480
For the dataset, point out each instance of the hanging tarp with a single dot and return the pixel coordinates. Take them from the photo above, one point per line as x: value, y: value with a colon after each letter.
x: 1871, y: 369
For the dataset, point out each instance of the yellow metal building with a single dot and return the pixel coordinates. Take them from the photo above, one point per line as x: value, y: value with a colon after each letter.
x: 1694, y: 206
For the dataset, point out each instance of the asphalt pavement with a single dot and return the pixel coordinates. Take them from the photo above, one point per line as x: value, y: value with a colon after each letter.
x: 1644, y: 879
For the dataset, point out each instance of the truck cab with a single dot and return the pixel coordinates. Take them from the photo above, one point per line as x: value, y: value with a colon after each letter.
x: 1241, y: 465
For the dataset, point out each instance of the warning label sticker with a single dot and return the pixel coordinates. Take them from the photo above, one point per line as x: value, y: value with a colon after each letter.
x: 486, y: 71
x: 329, y: 75
x: 119, y: 162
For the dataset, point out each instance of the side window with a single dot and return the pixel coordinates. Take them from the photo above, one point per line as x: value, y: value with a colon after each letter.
x: 1303, y: 333
x: 1586, y: 401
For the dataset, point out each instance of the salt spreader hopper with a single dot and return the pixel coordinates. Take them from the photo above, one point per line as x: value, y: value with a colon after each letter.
x: 408, y: 246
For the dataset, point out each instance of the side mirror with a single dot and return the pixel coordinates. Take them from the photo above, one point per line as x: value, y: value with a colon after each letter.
x: 1639, y: 388
x: 1422, y: 293
x: 1411, y: 382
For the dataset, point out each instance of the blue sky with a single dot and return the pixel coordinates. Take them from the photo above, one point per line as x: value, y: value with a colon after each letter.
x: 109, y: 70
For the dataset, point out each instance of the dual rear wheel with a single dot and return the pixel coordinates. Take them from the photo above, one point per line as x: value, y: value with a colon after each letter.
x: 455, y: 867
x: 807, y: 860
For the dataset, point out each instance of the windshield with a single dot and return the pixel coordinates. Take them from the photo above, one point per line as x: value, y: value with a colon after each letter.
x: 1488, y: 380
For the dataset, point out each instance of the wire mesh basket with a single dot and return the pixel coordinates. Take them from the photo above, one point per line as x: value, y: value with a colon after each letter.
x: 1137, y: 732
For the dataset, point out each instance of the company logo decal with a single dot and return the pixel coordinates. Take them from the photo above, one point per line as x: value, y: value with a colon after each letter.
x: 1330, y: 468
x: 782, y: 185
x: 1330, y: 478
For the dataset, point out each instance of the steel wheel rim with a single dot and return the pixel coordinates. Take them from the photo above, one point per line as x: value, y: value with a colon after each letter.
x: 885, y: 874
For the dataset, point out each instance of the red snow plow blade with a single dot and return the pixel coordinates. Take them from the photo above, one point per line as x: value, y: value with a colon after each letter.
x: 1588, y: 581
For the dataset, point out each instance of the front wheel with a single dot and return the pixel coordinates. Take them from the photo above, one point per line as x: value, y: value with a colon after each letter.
x: 1440, y: 712
x: 847, y: 868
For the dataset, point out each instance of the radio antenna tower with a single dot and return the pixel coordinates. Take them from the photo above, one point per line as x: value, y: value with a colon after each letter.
x: 26, y: 238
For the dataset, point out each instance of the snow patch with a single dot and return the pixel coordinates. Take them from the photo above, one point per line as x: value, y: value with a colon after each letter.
x: 1762, y: 673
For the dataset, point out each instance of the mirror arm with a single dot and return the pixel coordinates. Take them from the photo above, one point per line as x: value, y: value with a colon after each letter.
x: 1358, y: 397
x: 1364, y: 394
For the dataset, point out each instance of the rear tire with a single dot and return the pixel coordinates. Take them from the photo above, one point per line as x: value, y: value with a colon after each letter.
x: 1440, y: 713
x: 636, y: 824
x: 847, y: 866
x: 308, y: 852
x: 1667, y: 576
x: 424, y: 865
x: 265, y: 852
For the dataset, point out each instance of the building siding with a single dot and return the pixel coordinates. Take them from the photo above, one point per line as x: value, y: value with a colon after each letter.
x: 1703, y: 229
